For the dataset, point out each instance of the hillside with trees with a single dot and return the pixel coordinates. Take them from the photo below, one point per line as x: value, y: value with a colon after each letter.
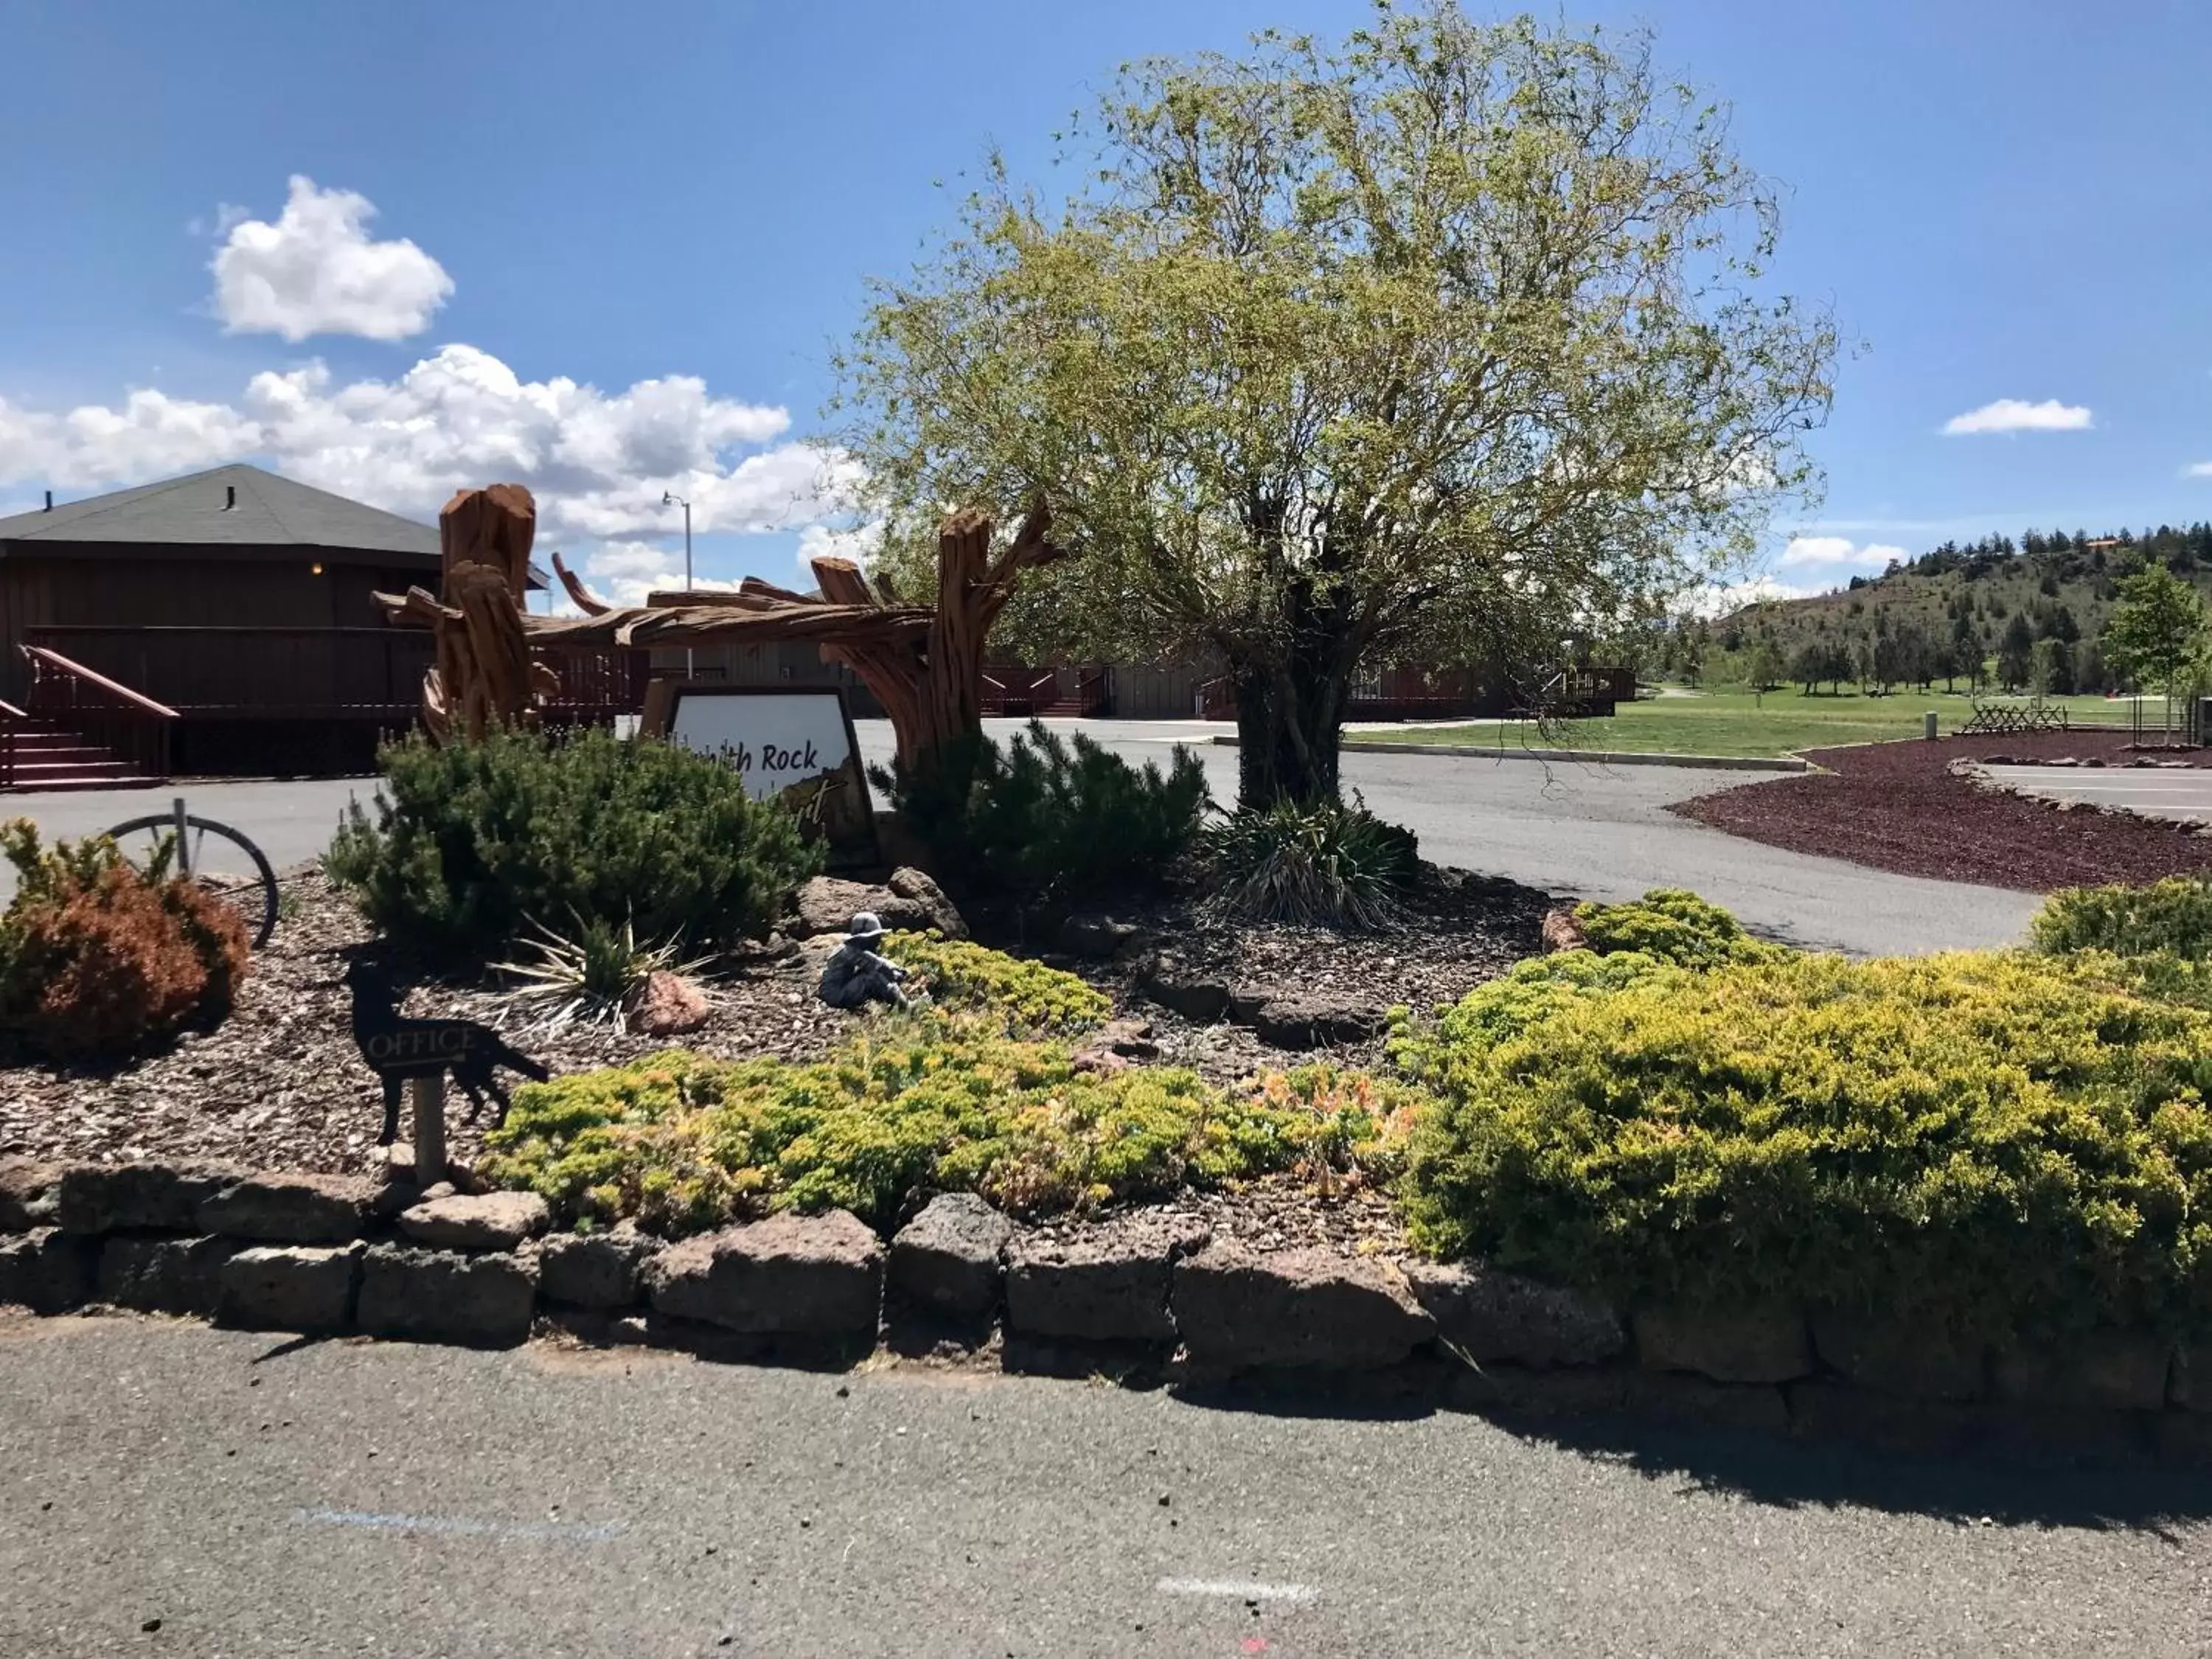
x: 1995, y: 614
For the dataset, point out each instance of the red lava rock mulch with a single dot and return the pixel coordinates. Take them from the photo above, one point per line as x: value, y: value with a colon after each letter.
x: 1899, y: 806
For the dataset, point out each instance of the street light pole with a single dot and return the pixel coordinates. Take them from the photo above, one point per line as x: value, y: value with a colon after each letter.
x: 670, y: 498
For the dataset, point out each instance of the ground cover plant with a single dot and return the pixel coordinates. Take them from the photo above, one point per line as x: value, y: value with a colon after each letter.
x: 102, y: 959
x: 2010, y: 1144
x: 1025, y: 997
x: 471, y: 845
x: 911, y: 1105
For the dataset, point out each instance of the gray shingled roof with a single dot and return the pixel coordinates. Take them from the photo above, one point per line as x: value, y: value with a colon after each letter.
x: 198, y: 511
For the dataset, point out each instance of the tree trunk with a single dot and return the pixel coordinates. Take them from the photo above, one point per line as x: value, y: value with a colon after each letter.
x: 1289, y: 716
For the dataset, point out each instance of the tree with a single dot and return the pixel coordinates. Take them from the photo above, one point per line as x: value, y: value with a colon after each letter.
x: 1449, y: 342
x: 1809, y: 666
x: 2014, y: 649
x: 2156, y: 631
x: 1763, y: 671
x: 2050, y: 668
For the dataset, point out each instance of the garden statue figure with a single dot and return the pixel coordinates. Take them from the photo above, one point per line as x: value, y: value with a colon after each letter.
x: 856, y: 975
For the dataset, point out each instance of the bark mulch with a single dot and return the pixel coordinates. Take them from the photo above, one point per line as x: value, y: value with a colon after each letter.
x: 1900, y: 806
x: 279, y: 1084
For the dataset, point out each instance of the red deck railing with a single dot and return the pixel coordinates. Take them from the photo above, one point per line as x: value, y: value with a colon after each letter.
x: 130, y: 726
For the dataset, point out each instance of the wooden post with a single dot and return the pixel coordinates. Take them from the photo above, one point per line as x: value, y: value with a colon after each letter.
x: 429, y: 1094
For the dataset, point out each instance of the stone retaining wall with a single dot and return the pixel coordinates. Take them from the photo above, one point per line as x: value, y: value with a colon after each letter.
x: 331, y: 1255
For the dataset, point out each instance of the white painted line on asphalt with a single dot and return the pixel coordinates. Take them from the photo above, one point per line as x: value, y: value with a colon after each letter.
x: 1239, y: 1590
x: 574, y: 1532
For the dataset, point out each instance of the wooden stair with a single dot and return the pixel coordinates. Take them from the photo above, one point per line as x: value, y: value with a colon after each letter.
x: 49, y: 758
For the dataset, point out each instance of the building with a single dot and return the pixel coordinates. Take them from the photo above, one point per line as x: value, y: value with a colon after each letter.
x: 217, y: 623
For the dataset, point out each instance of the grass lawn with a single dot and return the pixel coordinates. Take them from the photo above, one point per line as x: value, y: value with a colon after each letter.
x: 1729, y: 721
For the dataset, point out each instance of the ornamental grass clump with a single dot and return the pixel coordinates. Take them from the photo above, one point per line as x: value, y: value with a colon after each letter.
x: 99, y: 959
x: 680, y: 1142
x: 470, y: 844
x: 2011, y: 1145
x: 1319, y: 862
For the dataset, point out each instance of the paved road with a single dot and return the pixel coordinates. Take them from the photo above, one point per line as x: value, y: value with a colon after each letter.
x: 366, y: 1499
x: 2155, y: 792
x: 1585, y: 832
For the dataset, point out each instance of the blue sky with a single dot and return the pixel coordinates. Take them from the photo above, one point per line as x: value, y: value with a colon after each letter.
x: 638, y: 232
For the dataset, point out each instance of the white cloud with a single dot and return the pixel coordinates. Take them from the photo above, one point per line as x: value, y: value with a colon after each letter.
x: 316, y: 272
x: 819, y: 541
x: 598, y: 462
x: 1836, y: 553
x: 1720, y: 601
x: 2198, y: 470
x: 2017, y: 414
x: 624, y: 573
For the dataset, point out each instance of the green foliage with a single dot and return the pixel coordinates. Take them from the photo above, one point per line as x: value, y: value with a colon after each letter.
x: 1325, y: 862
x: 469, y: 844
x: 1670, y: 925
x: 2010, y: 1142
x: 102, y: 959
x: 2173, y: 915
x: 681, y: 1142
x: 2157, y: 628
x: 964, y: 977
x: 1045, y: 818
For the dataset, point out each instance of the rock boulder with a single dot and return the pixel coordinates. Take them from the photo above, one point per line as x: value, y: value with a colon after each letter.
x: 163, y: 1275
x: 47, y: 1270
x: 164, y: 1198
x: 909, y: 900
x: 788, y: 1275
x: 1495, y: 1317
x: 1236, y: 1308
x: 292, y: 1209
x: 306, y: 1288
x: 491, y: 1221
x: 1754, y: 1342
x: 438, y: 1296
x: 667, y: 1004
x: 1112, y: 1287
x: 947, y: 1259
x: 600, y: 1271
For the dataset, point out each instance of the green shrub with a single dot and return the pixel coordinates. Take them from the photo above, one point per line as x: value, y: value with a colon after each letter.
x: 1669, y: 924
x: 471, y: 843
x: 1501, y: 1009
x: 1045, y: 819
x: 2173, y: 916
x: 100, y: 959
x: 681, y: 1142
x: 1024, y: 996
x: 2009, y: 1143
x: 1325, y: 862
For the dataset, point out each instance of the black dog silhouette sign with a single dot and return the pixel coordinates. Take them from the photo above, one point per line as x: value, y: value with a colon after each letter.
x: 398, y: 1050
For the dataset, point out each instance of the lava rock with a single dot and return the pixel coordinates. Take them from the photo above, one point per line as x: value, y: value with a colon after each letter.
x: 47, y: 1270
x: 163, y: 1275
x: 102, y: 1197
x: 600, y: 1271
x: 292, y: 1209
x: 1113, y: 1287
x: 491, y: 1221
x: 909, y: 900
x: 667, y: 1004
x: 1094, y: 937
x: 29, y: 1194
x: 797, y: 1275
x: 1236, y: 1308
x: 2112, y: 1370
x: 1116, y: 1046
x: 1195, y: 996
x: 1561, y: 932
x: 947, y: 1259
x: 1916, y: 1361
x: 438, y: 1296
x: 1757, y: 1342
x: 1302, y: 1021
x: 306, y: 1288
x: 1494, y: 1317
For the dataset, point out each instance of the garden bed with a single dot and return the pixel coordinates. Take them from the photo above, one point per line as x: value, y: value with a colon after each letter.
x: 280, y: 1084
x: 1900, y: 806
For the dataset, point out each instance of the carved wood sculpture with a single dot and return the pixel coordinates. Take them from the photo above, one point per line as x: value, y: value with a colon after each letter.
x: 924, y: 665
x: 483, y: 675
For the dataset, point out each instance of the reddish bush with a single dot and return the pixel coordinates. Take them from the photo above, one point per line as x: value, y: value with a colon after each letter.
x: 99, y: 959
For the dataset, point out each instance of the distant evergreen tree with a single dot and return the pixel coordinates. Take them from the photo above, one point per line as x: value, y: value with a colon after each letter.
x: 2015, y: 649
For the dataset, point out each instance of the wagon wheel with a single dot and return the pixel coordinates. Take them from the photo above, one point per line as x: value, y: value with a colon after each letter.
x: 221, y: 859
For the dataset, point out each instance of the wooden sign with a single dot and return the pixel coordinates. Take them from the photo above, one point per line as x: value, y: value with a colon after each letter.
x: 797, y: 747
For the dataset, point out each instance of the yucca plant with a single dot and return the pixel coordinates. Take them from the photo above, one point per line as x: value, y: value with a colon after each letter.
x: 592, y: 976
x: 1325, y: 862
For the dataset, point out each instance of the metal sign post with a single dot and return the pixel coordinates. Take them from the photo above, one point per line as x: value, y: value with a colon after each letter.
x: 429, y: 1093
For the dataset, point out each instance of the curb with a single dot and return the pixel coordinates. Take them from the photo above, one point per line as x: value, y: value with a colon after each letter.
x: 1589, y: 757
